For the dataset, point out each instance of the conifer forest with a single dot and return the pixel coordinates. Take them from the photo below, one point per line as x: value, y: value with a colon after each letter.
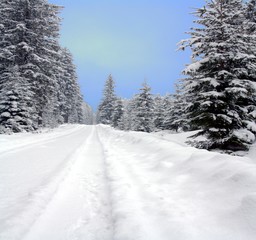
x: 39, y: 85
x: 217, y: 94
x: 38, y: 81
x: 131, y: 164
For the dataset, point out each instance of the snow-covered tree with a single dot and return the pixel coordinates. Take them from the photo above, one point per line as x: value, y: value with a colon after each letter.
x: 32, y: 66
x: 16, y: 110
x: 220, y: 83
x: 127, y: 116
x: 168, y: 112
x: 70, y: 100
x: 143, y: 110
x: 159, y: 113
x: 88, y: 115
x: 175, y: 116
x: 39, y: 23
x: 28, y: 33
x: 250, y: 15
x: 117, y: 113
x: 106, y: 107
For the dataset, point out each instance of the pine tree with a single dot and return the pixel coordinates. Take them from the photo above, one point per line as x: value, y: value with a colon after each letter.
x: 17, y: 112
x: 220, y: 78
x: 87, y: 114
x: 79, y: 106
x: 34, y: 70
x: 127, y: 116
x: 41, y: 32
x: 69, y: 97
x: 29, y: 41
x: 106, y: 107
x: 250, y: 31
x: 159, y: 110
x: 168, y: 112
x: 176, y: 118
x: 117, y: 113
x: 143, y: 110
x: 250, y: 15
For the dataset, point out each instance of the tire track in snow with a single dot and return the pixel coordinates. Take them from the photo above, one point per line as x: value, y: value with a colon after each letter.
x: 131, y: 203
x: 18, y: 223
x: 141, y: 203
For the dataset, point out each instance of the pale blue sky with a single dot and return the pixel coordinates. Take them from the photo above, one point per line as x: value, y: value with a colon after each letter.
x: 132, y: 40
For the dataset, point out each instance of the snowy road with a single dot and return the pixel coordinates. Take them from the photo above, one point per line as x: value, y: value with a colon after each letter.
x: 95, y: 183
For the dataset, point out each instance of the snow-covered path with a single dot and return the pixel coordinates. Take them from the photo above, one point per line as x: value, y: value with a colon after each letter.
x: 55, y: 188
x: 95, y: 183
x: 80, y: 209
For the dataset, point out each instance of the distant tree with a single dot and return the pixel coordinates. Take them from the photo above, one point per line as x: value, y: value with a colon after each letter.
x: 106, y: 107
x: 117, y: 113
x: 159, y: 113
x: 79, y: 106
x: 88, y: 115
x: 70, y: 98
x: 175, y: 117
x: 127, y: 117
x: 143, y: 110
x: 168, y: 112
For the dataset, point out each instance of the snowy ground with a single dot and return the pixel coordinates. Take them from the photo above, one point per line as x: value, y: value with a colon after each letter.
x: 96, y: 183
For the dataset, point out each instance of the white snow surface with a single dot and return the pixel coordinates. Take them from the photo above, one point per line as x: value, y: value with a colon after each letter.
x: 95, y: 183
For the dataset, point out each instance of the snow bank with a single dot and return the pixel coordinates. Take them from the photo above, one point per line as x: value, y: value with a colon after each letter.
x: 20, y: 140
x: 162, y: 189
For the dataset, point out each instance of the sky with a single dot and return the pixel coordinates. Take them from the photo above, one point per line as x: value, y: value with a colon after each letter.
x: 134, y: 40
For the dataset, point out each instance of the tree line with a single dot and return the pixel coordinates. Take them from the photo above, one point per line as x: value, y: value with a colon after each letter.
x: 38, y: 81
x: 144, y: 112
x: 217, y: 96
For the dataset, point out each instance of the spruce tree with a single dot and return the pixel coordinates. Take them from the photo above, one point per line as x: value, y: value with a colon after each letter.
x: 250, y: 15
x: 16, y: 110
x: 219, y: 85
x: 106, y: 107
x: 143, y: 110
x: 167, y: 113
x: 29, y: 41
x: 117, y: 113
x: 41, y: 34
x: 34, y: 70
x: 159, y: 110
x: 69, y: 97
x: 127, y: 116
x: 250, y: 31
x: 88, y: 117
x: 17, y: 113
x: 176, y: 118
